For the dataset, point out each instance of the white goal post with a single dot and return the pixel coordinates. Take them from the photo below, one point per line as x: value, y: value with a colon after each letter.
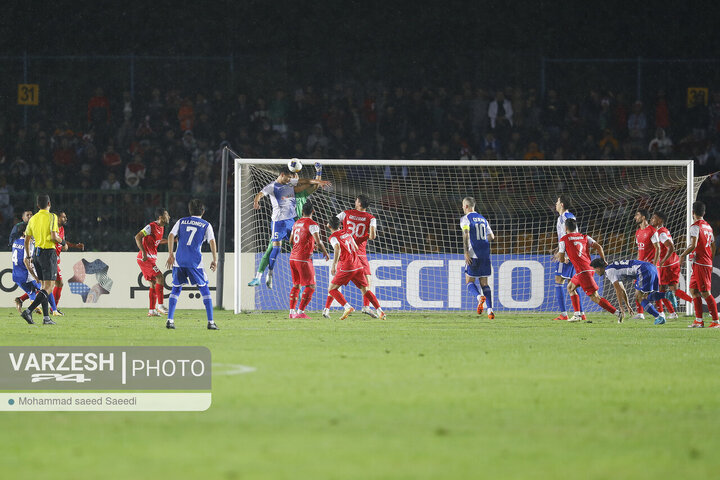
x: 417, y: 258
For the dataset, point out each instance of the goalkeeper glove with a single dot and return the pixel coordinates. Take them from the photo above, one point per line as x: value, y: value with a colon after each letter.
x: 318, y: 169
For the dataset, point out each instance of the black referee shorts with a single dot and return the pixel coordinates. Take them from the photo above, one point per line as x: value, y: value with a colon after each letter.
x: 45, y: 262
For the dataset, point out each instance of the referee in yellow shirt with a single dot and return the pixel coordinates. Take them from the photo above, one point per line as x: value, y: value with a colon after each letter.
x: 43, y: 229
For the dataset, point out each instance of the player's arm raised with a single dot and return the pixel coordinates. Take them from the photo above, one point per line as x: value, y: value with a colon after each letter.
x: 320, y: 245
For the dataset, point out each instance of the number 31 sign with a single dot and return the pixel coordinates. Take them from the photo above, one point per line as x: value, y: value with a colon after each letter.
x: 28, y: 93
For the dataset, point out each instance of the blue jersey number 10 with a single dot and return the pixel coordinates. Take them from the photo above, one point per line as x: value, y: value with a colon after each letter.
x: 480, y: 233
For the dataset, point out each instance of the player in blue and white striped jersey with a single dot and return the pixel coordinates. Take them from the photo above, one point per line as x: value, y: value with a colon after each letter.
x: 282, y: 197
x: 563, y: 271
x: 645, y: 275
x: 477, y: 235
x: 191, y: 232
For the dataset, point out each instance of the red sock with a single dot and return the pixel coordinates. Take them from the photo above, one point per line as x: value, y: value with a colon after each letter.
x: 294, y: 292
x: 159, y: 293
x: 668, y: 305
x: 575, y: 300
x: 369, y: 298
x: 337, y: 295
x: 306, y: 297
x: 328, y: 301
x: 712, y: 306
x: 56, y: 293
x: 152, y: 297
x: 24, y: 297
x: 659, y: 306
x: 640, y: 308
x: 606, y: 305
x: 697, y: 301
x: 683, y: 295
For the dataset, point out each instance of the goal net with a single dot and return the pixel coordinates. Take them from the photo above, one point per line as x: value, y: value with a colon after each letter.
x: 417, y: 258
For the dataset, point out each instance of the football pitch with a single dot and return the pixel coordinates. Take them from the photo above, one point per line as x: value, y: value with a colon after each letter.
x: 419, y: 396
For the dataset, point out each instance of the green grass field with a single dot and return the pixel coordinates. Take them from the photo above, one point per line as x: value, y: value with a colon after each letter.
x: 420, y: 396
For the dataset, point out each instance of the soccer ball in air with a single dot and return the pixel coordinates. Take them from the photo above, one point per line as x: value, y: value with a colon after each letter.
x: 294, y: 165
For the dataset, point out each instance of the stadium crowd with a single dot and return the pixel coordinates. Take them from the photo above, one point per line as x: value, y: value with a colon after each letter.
x: 129, y: 155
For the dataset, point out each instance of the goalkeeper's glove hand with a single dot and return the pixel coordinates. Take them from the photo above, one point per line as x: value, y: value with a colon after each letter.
x: 318, y: 168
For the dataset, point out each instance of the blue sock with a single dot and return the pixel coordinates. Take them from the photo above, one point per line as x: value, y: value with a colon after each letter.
x: 580, y: 296
x: 473, y: 290
x: 672, y: 298
x: 560, y: 296
x: 172, y: 301
x: 51, y: 301
x: 650, y: 308
x: 207, y: 300
x: 273, y: 256
x: 488, y: 296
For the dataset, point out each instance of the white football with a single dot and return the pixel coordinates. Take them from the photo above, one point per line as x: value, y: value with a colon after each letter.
x: 295, y: 165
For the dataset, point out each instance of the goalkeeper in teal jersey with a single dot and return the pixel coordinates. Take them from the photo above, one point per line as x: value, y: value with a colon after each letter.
x: 301, y: 197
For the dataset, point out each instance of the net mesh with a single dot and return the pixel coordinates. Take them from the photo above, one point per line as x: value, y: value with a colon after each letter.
x: 417, y: 259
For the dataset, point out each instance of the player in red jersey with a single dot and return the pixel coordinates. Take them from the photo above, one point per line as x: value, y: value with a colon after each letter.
x: 668, y: 264
x: 362, y: 225
x: 305, y: 233
x: 346, y: 268
x: 576, y: 246
x: 702, y: 242
x: 57, y: 291
x: 147, y: 241
x: 648, y: 247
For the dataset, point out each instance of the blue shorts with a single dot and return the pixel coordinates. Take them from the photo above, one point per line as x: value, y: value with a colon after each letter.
x: 186, y: 275
x: 479, y: 267
x: 647, y: 280
x: 281, y: 230
x: 29, y: 287
x: 564, y: 270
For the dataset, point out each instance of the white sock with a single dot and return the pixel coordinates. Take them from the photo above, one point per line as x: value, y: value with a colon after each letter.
x: 258, y: 275
x: 578, y: 314
x: 565, y: 313
x: 479, y: 297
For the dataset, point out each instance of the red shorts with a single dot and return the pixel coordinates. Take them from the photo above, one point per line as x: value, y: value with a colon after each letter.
x: 302, y: 271
x: 149, y: 269
x: 586, y: 281
x: 670, y: 274
x: 701, y: 278
x: 365, y: 264
x: 356, y: 276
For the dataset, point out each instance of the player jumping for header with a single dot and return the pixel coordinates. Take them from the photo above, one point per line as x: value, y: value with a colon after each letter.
x: 301, y: 195
x: 477, y: 235
x: 282, y: 196
x: 577, y: 245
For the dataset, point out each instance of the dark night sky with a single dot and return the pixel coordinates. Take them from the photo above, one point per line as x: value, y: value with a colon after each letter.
x: 555, y: 29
